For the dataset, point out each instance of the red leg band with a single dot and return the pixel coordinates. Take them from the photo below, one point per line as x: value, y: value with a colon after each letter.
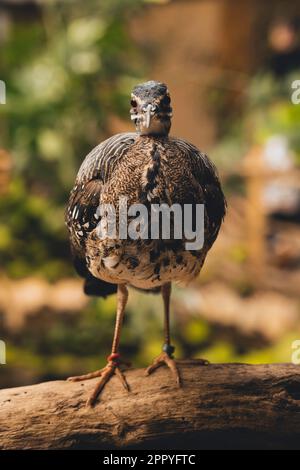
x: 113, y: 357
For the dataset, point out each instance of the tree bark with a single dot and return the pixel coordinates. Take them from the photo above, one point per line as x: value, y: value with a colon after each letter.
x: 218, y: 406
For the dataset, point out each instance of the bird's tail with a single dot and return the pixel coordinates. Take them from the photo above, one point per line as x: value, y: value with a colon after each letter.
x: 96, y: 287
x: 92, y: 285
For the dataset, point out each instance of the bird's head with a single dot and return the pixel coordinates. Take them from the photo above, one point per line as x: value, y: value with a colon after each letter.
x: 150, y: 108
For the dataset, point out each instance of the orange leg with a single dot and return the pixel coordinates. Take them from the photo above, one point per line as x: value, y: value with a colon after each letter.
x: 166, y: 356
x: 113, y: 361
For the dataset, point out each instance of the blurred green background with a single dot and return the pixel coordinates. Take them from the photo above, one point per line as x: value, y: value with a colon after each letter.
x: 69, y: 68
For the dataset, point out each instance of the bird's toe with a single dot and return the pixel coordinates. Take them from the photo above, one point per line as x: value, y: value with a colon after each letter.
x: 165, y: 359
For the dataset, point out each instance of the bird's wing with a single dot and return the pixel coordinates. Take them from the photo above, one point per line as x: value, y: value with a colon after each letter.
x: 205, y: 173
x: 100, y: 162
x: 81, y: 214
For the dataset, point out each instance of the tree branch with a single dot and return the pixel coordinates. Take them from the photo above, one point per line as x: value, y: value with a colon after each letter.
x: 219, y: 406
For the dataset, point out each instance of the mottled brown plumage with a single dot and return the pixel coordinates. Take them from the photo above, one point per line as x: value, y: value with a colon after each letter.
x: 147, y: 167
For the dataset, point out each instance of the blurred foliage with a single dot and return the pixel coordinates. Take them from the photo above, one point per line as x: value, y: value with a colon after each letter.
x: 67, y: 72
x: 32, y: 234
x: 266, y: 111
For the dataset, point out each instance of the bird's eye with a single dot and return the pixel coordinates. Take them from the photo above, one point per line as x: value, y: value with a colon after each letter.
x: 133, y: 103
x: 166, y: 100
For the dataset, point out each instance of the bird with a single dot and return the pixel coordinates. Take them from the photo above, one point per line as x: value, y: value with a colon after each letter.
x: 147, y: 167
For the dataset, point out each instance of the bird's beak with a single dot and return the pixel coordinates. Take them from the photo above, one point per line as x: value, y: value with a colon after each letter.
x: 144, y: 114
x: 147, y: 115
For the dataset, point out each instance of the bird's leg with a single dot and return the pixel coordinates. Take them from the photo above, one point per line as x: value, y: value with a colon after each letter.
x: 113, y: 360
x: 166, y: 356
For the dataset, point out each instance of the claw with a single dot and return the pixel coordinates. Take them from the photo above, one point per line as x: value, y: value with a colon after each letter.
x: 122, y: 379
x: 162, y: 359
x: 105, y: 375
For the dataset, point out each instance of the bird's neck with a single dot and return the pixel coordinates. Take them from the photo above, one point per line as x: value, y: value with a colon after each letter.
x: 158, y: 128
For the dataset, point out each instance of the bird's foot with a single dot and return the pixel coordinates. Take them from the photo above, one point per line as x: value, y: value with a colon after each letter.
x: 112, y: 367
x: 165, y: 357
